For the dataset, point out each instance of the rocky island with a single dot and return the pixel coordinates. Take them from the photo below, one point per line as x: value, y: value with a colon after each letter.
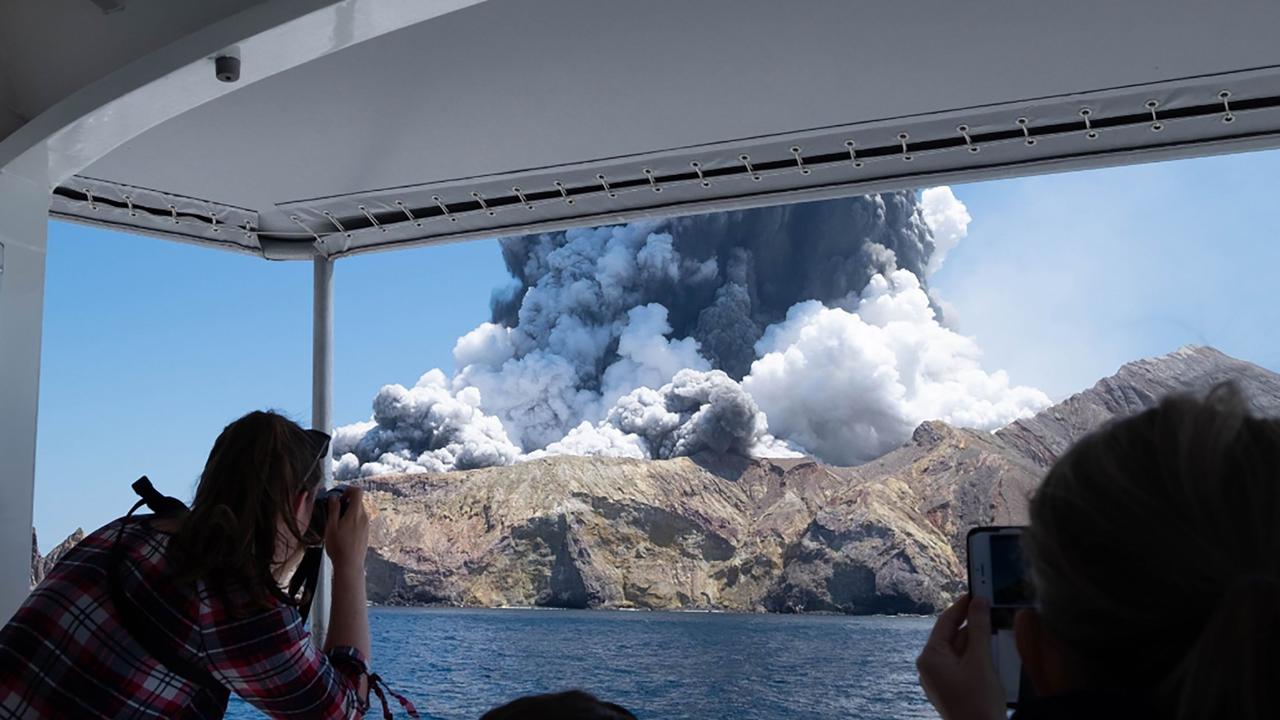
x: 722, y: 532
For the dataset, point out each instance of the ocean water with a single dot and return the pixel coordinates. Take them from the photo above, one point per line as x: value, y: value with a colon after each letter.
x: 455, y: 664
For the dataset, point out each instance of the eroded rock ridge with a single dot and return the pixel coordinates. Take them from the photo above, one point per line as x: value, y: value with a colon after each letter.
x: 733, y: 533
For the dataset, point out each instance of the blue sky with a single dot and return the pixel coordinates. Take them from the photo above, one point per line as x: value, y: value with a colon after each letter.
x: 151, y: 347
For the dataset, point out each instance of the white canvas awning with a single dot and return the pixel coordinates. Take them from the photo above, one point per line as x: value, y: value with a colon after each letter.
x: 509, y: 116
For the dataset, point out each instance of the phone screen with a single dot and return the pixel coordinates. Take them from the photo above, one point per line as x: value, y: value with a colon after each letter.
x: 1008, y: 574
x: 997, y: 572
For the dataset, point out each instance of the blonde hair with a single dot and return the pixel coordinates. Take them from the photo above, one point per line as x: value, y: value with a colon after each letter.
x: 1155, y: 550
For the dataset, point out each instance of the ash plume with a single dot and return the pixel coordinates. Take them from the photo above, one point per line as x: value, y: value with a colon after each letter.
x: 664, y: 338
x: 723, y: 277
x: 696, y: 411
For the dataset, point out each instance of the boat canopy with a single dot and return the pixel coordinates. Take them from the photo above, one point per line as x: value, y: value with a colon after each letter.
x: 316, y: 129
x: 508, y: 116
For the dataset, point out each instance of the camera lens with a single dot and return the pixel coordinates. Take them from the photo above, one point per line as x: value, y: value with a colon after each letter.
x: 320, y: 513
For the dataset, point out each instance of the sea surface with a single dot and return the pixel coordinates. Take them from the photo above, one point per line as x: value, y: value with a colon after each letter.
x: 455, y: 664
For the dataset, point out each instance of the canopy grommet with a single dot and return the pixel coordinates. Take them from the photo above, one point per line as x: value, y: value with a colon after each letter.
x: 483, y: 205
x: 1089, y: 132
x: 564, y: 192
x: 653, y: 180
x: 795, y: 153
x: 523, y: 200
x: 1156, y: 125
x: 853, y: 153
x: 697, y: 167
x: 372, y: 220
x: 603, y: 183
x: 1025, y: 124
x: 444, y: 208
x: 404, y: 209
x: 335, y: 222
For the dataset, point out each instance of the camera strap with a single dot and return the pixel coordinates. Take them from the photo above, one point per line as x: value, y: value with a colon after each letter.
x: 306, y: 578
x: 377, y: 686
x: 132, y: 617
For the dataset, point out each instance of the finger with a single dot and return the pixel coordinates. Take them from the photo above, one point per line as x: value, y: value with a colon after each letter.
x: 979, y: 626
x: 334, y: 509
x: 948, y: 623
x: 352, y: 498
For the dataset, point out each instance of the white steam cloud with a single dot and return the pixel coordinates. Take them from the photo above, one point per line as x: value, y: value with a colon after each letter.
x: 762, y: 332
x: 948, y: 219
x: 849, y: 385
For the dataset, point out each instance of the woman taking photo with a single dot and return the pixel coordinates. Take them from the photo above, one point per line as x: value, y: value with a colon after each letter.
x: 164, y: 617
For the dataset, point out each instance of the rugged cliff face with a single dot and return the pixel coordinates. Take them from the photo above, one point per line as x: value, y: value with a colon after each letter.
x: 725, y: 532
x: 40, y: 566
x: 587, y: 532
x: 705, y: 532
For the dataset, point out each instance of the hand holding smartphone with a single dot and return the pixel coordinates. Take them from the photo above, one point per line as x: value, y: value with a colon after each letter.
x: 997, y: 573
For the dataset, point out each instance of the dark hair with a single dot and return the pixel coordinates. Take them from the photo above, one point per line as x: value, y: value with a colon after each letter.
x: 1155, y: 550
x: 571, y: 705
x: 251, y: 481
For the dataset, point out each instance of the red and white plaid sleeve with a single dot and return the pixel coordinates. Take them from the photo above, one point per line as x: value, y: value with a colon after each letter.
x: 268, y: 659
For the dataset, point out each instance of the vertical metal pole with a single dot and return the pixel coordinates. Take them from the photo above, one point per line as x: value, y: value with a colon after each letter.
x: 322, y: 415
x: 24, y: 219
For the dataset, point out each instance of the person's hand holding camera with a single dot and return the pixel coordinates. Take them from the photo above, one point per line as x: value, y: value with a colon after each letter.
x: 346, y: 534
x: 346, y: 540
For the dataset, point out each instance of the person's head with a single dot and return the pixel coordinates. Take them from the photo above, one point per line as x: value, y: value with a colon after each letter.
x: 1154, y: 547
x: 571, y: 705
x: 253, y: 504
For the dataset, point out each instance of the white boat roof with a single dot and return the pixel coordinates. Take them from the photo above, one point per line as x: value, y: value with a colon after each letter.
x: 401, y: 124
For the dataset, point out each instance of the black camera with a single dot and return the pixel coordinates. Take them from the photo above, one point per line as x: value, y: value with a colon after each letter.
x: 320, y: 513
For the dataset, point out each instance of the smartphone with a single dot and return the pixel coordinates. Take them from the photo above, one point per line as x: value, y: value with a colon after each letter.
x: 998, y: 574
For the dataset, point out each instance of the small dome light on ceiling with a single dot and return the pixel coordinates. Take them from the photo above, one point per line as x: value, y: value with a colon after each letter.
x: 227, y: 68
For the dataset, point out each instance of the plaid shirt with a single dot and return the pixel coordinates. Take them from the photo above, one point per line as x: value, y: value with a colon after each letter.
x: 65, y: 653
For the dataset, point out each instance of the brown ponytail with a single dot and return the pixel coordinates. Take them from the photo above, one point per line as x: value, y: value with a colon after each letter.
x: 257, y: 468
x: 1154, y: 546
